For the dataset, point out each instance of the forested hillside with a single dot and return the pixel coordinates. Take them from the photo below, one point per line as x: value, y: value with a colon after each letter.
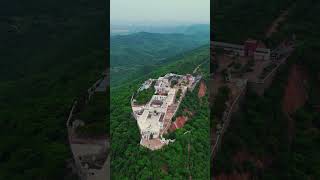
x: 264, y: 141
x: 304, y: 155
x: 140, y: 53
x: 51, y: 52
x: 255, y: 145
x: 132, y: 161
x: 237, y: 20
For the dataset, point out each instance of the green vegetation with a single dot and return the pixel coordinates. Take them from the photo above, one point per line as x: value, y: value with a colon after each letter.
x: 260, y: 130
x: 251, y: 18
x: 304, y: 22
x: 95, y: 129
x: 191, y: 59
x: 131, y: 161
x: 94, y: 116
x: 170, y: 135
x: 140, y: 53
x: 304, y: 161
x: 54, y: 54
x: 219, y: 105
x: 173, y: 83
x: 178, y: 95
x: 204, y: 71
x: 190, y: 103
x: 95, y: 110
x: 144, y: 96
x: 213, y: 65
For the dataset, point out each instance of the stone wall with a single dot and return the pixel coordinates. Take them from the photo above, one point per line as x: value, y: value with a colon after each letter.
x: 82, y: 173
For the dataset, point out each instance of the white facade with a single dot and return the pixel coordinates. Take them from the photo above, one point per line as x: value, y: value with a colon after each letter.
x: 146, y: 85
x: 171, y: 96
x: 149, y: 124
x: 262, y: 54
x: 151, y: 116
x: 259, y: 54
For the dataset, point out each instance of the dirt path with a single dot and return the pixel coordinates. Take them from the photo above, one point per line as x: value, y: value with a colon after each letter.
x: 196, y: 69
x: 275, y: 24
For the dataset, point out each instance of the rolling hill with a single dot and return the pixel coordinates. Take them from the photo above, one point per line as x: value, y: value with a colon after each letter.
x: 139, y: 53
x: 130, y: 160
x: 127, y: 28
x: 274, y: 142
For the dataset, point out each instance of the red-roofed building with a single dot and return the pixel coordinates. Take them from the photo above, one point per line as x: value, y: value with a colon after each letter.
x: 250, y: 47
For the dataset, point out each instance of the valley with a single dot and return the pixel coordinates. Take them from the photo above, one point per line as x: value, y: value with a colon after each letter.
x: 140, y: 53
x: 170, y: 160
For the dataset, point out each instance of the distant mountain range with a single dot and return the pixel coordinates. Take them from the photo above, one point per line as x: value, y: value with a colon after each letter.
x: 140, y: 53
x: 183, y: 29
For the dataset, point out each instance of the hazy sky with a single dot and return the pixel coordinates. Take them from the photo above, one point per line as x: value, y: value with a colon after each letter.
x: 162, y: 11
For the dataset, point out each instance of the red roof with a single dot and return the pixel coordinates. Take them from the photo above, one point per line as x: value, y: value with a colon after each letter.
x: 249, y: 40
x: 179, y: 123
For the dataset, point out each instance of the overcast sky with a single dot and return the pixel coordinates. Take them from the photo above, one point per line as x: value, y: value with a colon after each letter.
x: 160, y: 11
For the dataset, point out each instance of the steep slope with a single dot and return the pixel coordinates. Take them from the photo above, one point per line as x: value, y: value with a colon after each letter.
x: 263, y: 142
x: 132, y: 161
x: 51, y: 52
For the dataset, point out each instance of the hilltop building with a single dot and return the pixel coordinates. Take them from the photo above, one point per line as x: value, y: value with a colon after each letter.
x: 250, y: 48
x: 154, y: 117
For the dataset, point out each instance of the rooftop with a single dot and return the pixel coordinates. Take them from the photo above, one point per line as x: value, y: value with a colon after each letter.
x: 154, y: 117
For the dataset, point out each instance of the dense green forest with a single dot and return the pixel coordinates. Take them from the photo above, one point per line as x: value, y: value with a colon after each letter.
x: 140, y: 53
x: 94, y: 116
x: 51, y: 53
x: 259, y: 132
x: 132, y: 161
x: 260, y: 135
x: 304, y: 151
x: 237, y: 20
